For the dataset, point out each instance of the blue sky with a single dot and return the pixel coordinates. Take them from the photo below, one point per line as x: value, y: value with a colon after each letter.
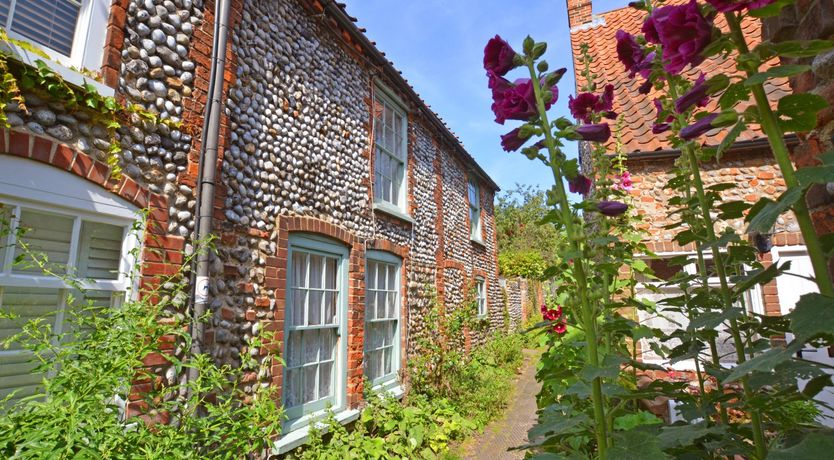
x: 438, y: 45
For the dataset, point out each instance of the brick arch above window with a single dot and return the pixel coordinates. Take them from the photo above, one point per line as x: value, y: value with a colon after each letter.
x: 66, y: 158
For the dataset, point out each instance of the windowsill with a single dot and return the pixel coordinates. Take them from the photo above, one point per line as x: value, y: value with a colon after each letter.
x: 299, y: 436
x: 392, y: 388
x: 478, y: 241
x: 392, y: 211
x: 71, y: 76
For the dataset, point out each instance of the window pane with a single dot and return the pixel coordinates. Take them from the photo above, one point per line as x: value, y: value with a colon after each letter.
x: 298, y: 300
x: 328, y: 341
x: 392, y: 305
x: 45, y: 235
x: 370, y: 275
x: 292, y: 388
x: 293, y: 351
x: 370, y: 305
x: 100, y: 250
x: 26, y: 304
x: 380, y: 277
x: 330, y: 273
x: 314, y: 308
x: 299, y: 269
x: 311, y: 347
x: 330, y: 302
x: 325, y: 379
x: 380, y: 304
x: 372, y: 364
x: 47, y: 22
x: 387, y: 360
x: 316, y: 271
x: 308, y: 391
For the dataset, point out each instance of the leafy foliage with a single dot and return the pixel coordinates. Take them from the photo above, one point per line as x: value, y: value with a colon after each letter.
x: 526, y: 244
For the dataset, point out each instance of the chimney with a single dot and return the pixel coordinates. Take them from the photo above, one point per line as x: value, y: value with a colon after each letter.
x: 579, y: 12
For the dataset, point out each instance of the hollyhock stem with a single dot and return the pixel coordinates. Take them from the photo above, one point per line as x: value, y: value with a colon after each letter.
x: 588, y: 315
x: 717, y: 256
x: 770, y: 126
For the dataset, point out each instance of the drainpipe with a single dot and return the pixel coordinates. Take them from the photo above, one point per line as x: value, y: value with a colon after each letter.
x: 210, y: 137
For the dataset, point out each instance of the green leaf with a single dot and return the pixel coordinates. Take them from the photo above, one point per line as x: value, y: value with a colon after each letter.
x: 730, y: 138
x: 762, y: 217
x: 813, y: 317
x: 734, y: 94
x: 801, y: 48
x: 816, y: 384
x: 764, y: 362
x: 635, y: 445
x: 733, y: 209
x: 685, y: 435
x: 815, y: 445
x: 776, y: 72
x: 815, y: 175
x: 770, y: 10
x: 631, y: 421
x: 800, y: 111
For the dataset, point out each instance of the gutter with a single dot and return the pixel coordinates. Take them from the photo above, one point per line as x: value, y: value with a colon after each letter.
x: 393, y: 75
x: 206, y: 178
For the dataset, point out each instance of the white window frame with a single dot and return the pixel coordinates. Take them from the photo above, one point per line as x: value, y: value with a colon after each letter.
x: 302, y: 415
x: 476, y: 208
x: 390, y: 380
x: 79, y: 200
x: 88, y: 40
x: 387, y: 98
x: 481, y: 297
x: 753, y: 300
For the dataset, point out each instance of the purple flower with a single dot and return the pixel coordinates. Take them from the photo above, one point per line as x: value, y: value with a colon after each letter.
x: 697, y: 95
x: 660, y: 128
x: 499, y: 57
x: 632, y: 55
x: 586, y: 104
x: 661, y: 125
x: 599, y: 132
x: 682, y: 31
x: 581, y: 107
x: 579, y: 184
x: 701, y: 126
x: 725, y: 6
x: 612, y: 208
x: 515, y: 101
x: 645, y: 87
x: 512, y: 141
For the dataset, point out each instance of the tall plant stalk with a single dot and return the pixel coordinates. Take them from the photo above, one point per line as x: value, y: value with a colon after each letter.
x: 770, y: 126
x: 588, y: 313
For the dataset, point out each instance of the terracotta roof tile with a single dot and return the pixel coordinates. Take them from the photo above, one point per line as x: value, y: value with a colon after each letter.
x: 637, y: 110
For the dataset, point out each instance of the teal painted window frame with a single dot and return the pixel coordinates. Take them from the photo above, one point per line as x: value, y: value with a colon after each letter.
x: 391, y: 379
x: 481, y: 296
x: 388, y: 99
x: 306, y: 413
x: 474, y: 208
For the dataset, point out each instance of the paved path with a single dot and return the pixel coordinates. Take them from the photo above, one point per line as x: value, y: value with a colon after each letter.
x: 510, y: 430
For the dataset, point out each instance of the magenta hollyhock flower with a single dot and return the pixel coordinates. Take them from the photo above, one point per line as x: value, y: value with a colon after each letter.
x: 625, y: 183
x: 580, y: 184
x: 515, y: 101
x: 606, y: 99
x: 512, y: 141
x: 581, y: 106
x: 698, y: 128
x: 682, y: 31
x: 499, y: 56
x: 612, y: 208
x: 551, y: 315
x: 645, y: 87
x: 661, y: 126
x: 599, y: 132
x: 629, y: 51
x: 560, y: 328
x: 697, y: 95
x: 725, y: 6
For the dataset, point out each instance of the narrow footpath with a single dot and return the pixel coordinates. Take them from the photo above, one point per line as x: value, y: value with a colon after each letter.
x: 510, y: 430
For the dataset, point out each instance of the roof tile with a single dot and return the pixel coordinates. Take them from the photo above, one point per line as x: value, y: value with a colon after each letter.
x: 637, y: 110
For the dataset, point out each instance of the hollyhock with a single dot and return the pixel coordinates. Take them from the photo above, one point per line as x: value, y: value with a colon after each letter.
x: 515, y: 101
x: 661, y: 126
x: 698, y: 128
x: 697, y: 95
x: 512, y: 141
x: 725, y: 6
x: 582, y: 105
x: 560, y: 328
x: 599, y: 132
x: 629, y: 52
x: 551, y: 315
x: 645, y: 87
x: 625, y: 182
x: 683, y: 31
x: 499, y: 57
x: 579, y: 184
x: 612, y: 208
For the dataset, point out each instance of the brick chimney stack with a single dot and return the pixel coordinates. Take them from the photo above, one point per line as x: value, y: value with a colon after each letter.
x: 579, y: 12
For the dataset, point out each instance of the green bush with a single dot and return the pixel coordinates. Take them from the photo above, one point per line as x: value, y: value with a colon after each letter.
x: 81, y: 410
